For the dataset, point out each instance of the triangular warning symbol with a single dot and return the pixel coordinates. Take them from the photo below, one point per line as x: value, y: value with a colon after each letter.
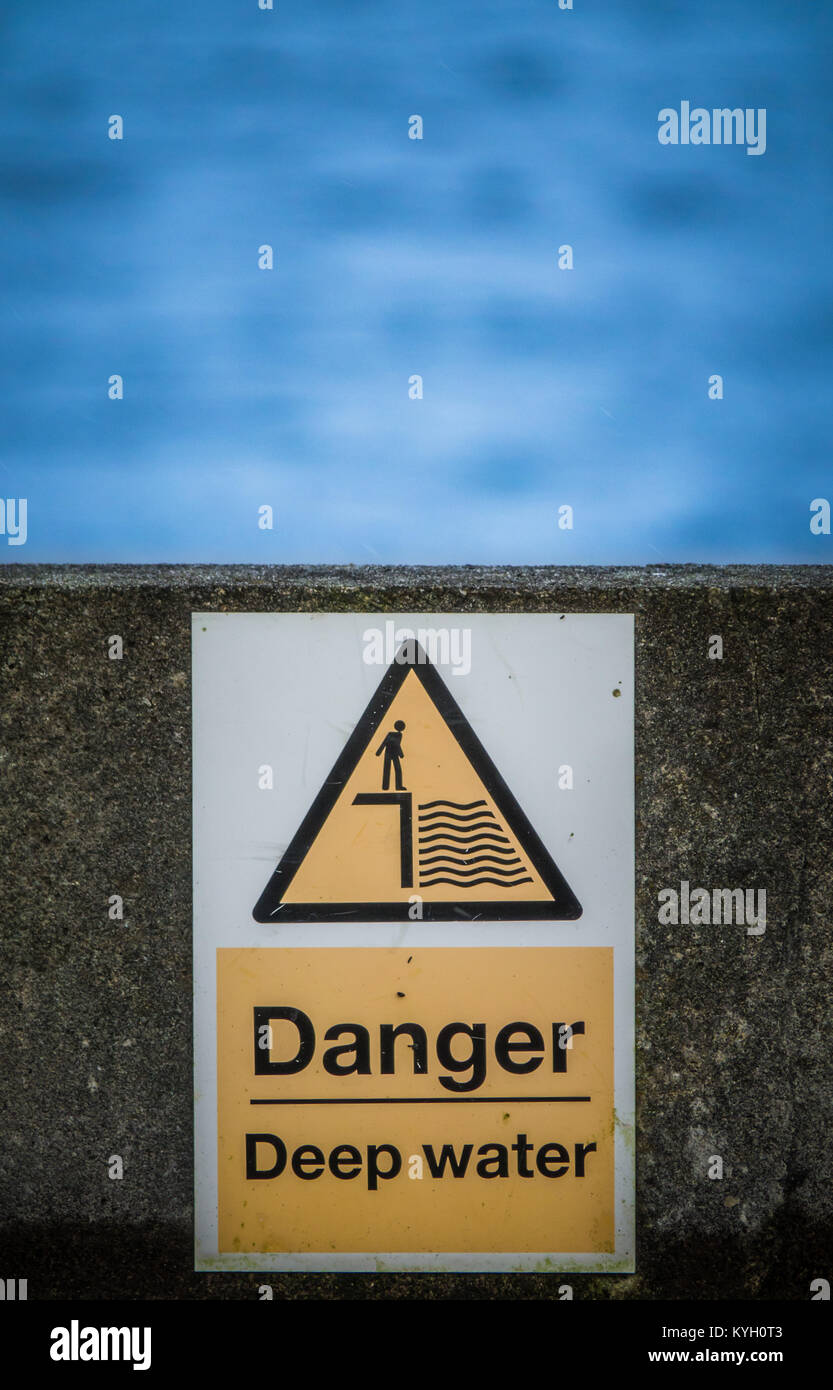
x: 415, y: 809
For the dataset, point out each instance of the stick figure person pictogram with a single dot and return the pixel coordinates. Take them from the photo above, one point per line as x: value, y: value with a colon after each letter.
x: 391, y: 746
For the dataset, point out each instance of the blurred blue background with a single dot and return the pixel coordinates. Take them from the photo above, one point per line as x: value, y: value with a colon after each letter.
x: 396, y: 257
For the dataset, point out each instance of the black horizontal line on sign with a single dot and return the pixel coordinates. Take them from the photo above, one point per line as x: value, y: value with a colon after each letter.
x: 468, y: 828
x: 474, y: 882
x: 467, y: 850
x: 426, y: 1100
x: 466, y: 873
x: 489, y: 910
x: 455, y: 816
x: 458, y: 805
x: 463, y: 840
x: 460, y: 863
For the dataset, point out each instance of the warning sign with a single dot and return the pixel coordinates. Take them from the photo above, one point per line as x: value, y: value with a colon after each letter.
x: 421, y: 825
x: 413, y: 942
x: 377, y: 1099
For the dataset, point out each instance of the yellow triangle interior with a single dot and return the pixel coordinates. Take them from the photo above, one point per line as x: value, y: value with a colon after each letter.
x: 463, y: 848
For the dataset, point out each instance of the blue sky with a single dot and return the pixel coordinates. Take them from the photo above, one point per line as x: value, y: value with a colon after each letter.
x: 395, y: 257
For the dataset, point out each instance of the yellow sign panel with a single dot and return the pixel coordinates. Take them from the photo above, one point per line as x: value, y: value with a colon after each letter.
x: 415, y: 821
x: 424, y: 1099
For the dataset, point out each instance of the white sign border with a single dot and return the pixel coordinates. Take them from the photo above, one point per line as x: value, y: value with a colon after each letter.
x: 414, y: 934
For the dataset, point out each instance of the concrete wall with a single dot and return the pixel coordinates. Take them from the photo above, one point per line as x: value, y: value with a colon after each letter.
x: 733, y: 787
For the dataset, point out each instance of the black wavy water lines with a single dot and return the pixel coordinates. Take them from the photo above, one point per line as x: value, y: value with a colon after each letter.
x: 448, y: 858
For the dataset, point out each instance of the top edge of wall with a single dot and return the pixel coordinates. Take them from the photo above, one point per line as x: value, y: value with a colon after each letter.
x: 518, y: 578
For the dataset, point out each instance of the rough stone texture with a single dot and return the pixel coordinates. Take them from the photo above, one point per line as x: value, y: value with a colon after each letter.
x: 733, y: 1036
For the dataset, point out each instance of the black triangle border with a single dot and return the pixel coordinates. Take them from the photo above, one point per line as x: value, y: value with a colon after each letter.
x: 565, y: 906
